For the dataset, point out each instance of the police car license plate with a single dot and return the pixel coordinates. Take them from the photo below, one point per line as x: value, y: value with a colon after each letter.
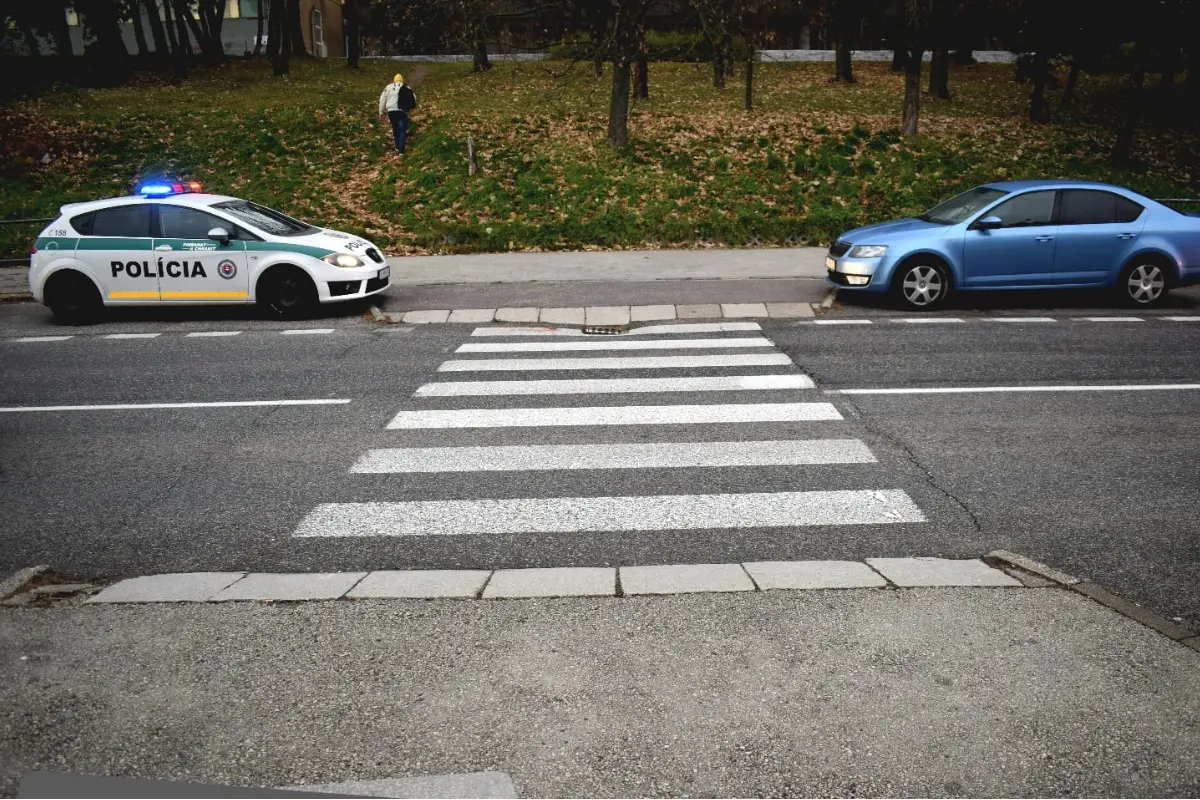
x: 830, y: 263
x: 386, y: 272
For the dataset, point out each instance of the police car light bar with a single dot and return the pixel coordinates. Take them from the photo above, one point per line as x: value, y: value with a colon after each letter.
x: 162, y: 189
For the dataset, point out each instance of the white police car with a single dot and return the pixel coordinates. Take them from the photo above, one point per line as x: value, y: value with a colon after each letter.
x: 172, y: 244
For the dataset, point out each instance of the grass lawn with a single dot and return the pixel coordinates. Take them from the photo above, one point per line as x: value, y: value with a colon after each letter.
x: 811, y: 160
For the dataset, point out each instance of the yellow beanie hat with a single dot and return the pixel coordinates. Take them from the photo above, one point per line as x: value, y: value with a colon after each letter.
x: 398, y: 78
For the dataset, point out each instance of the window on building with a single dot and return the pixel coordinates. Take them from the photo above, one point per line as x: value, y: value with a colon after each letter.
x: 250, y: 9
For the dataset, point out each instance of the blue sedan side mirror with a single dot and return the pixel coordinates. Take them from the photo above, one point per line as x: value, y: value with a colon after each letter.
x: 988, y: 223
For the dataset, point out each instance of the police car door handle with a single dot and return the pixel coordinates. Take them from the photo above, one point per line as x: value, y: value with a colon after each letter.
x: 164, y: 247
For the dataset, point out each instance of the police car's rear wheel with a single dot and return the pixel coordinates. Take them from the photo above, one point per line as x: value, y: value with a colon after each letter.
x: 73, y: 298
x: 288, y: 293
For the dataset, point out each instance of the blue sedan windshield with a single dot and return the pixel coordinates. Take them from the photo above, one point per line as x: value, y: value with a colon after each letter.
x: 957, y: 209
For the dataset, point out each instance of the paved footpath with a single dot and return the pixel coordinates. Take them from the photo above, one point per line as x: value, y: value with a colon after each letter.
x: 985, y: 692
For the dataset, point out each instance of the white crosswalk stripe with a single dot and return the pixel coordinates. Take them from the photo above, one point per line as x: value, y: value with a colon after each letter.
x: 599, y: 514
x: 614, y: 415
x: 468, y: 464
x: 661, y: 455
x: 613, y: 344
x: 648, y: 330
x: 624, y: 362
x: 735, y: 383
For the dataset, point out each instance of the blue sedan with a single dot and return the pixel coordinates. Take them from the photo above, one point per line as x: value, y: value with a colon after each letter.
x: 1024, y: 235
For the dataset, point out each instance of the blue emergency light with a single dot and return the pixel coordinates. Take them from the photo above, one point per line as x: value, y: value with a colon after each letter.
x: 162, y: 188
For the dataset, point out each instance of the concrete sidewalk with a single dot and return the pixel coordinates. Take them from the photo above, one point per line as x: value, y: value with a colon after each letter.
x: 577, y: 279
x: 611, y: 265
x: 901, y: 692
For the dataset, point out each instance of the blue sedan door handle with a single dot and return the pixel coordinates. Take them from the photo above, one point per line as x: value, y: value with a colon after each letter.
x: 1043, y: 238
x: 1126, y: 235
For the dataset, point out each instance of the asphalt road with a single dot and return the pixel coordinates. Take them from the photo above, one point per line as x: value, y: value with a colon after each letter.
x: 1101, y: 484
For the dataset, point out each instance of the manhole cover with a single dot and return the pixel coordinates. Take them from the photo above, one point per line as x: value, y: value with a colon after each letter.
x: 604, y: 330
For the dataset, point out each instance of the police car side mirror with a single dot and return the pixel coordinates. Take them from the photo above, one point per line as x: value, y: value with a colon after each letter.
x: 220, y: 235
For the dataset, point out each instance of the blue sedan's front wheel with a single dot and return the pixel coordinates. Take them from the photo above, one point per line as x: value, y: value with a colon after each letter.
x: 921, y: 285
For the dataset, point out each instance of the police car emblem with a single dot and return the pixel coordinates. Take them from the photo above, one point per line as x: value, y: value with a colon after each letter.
x: 227, y: 269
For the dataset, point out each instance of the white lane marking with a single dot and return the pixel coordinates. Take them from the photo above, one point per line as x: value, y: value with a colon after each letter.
x: 1110, y: 319
x: 625, y: 362
x: 213, y: 333
x: 614, y: 456
x: 600, y: 514
x: 683, y: 327
x: 306, y: 331
x: 614, y: 344
x: 614, y: 415
x: 926, y: 320
x: 43, y: 338
x: 133, y: 406
x: 1145, y: 387
x: 1193, y: 318
x: 842, y: 322
x: 615, y: 385
x: 131, y: 335
x: 1020, y: 319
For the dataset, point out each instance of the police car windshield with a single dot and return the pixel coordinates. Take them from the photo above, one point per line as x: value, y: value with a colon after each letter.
x: 265, y: 219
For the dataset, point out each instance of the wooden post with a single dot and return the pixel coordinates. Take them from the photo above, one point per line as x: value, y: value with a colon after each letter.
x: 471, y: 167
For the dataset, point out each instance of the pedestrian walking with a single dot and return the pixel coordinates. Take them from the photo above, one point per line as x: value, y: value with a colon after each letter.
x: 396, y: 100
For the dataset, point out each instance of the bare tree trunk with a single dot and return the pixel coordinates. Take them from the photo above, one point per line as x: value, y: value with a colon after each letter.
x: 1039, y: 109
x: 156, y: 28
x: 179, y: 42
x: 103, y: 19
x: 912, y: 92
x: 216, y: 24
x: 843, y: 67
x: 618, y: 109
x: 184, y: 18
x: 898, y: 60
x: 718, y: 65
x: 352, y: 34
x: 277, y: 38
x: 479, y: 52
x: 62, y: 38
x: 1166, y: 86
x: 939, y: 74
x: 31, y: 41
x: 641, y: 69
x: 258, y: 37
x: 295, y: 28
x: 1123, y: 147
x: 750, y: 80
x: 963, y: 56
x: 139, y: 31
x: 598, y: 64
x: 1068, y: 95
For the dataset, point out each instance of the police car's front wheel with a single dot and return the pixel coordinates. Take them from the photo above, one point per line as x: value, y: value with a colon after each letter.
x: 73, y: 298
x: 287, y: 293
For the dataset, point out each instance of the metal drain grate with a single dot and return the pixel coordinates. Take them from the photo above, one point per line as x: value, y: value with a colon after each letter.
x: 605, y: 330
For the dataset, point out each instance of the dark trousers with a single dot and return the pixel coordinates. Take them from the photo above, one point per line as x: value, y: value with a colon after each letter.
x: 399, y: 128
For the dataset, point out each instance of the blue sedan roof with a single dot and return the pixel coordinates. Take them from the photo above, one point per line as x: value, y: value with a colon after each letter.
x: 1048, y: 184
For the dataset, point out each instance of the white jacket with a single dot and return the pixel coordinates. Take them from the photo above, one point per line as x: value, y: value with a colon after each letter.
x: 388, y: 99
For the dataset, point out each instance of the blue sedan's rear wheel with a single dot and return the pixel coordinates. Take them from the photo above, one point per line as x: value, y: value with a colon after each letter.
x: 1143, y: 283
x: 921, y: 285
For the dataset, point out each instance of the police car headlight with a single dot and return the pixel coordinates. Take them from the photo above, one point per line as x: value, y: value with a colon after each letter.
x: 344, y: 260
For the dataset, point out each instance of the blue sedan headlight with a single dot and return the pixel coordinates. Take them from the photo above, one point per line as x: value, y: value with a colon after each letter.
x: 868, y: 251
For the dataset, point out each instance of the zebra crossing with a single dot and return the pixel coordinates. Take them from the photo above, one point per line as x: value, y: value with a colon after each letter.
x: 599, y: 424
